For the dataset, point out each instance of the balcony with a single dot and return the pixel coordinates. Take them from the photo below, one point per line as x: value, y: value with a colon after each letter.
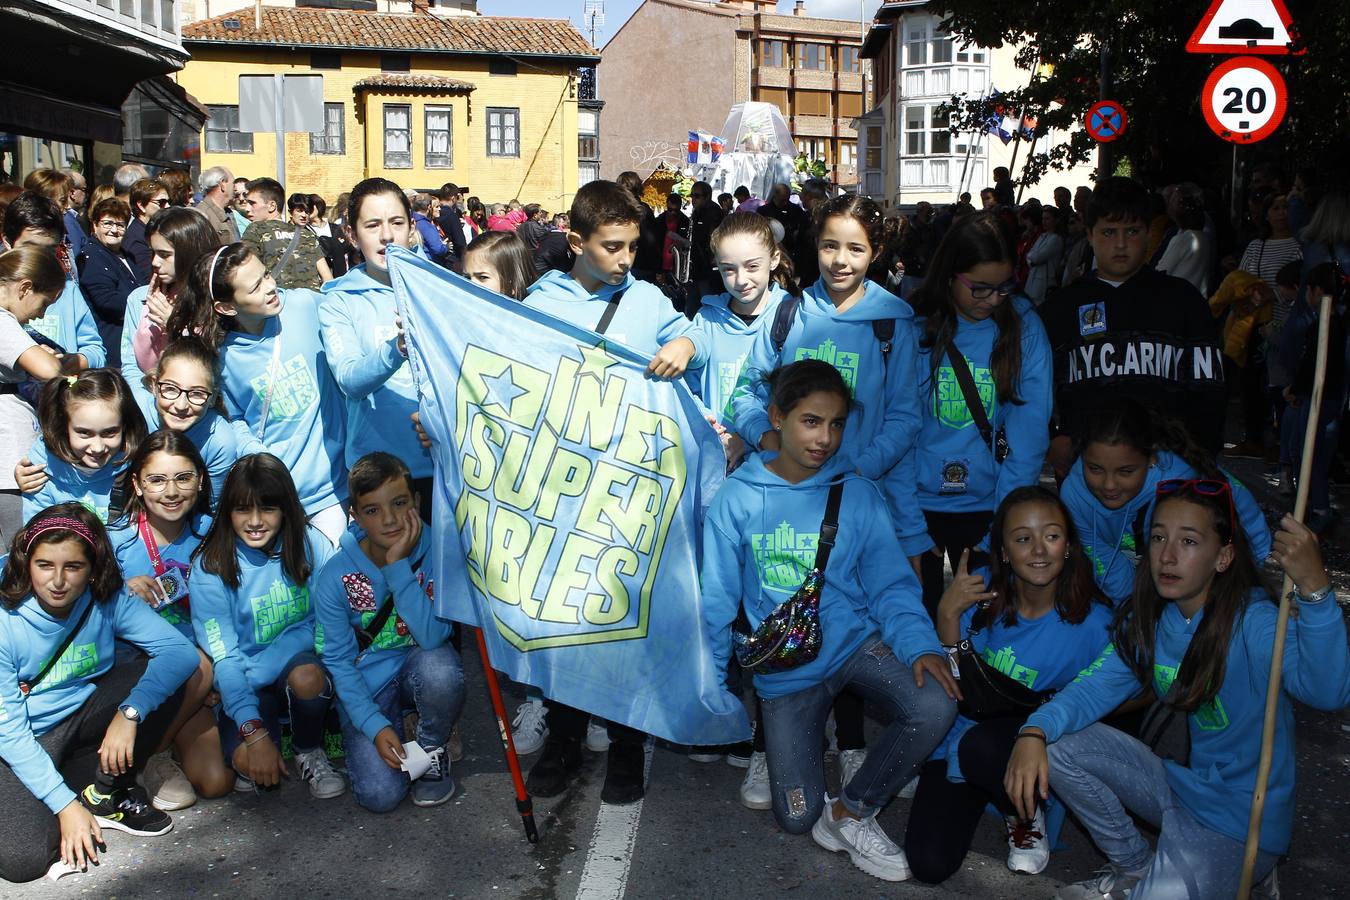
x: 772, y: 76
x: 153, y: 22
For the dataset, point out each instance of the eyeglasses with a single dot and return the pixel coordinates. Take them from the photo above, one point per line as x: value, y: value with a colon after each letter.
x: 981, y: 291
x: 161, y: 202
x: 158, y: 484
x: 1206, y: 487
x: 167, y: 390
x: 111, y: 225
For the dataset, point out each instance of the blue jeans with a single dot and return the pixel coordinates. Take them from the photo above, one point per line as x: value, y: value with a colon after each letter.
x: 794, y: 736
x: 1100, y: 773
x: 306, y: 716
x: 430, y: 682
x: 1292, y: 433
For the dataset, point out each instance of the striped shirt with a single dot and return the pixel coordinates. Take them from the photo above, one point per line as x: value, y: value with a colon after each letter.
x: 1265, y: 258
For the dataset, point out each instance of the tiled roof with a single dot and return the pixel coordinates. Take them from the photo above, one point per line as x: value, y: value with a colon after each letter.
x: 416, y: 83
x: 420, y: 31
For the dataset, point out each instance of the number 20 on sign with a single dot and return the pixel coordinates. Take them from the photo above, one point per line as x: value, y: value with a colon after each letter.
x: 1244, y: 100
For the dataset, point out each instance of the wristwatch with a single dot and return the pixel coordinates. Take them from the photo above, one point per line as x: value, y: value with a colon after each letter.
x: 132, y: 714
x: 250, y: 728
x: 1316, y: 596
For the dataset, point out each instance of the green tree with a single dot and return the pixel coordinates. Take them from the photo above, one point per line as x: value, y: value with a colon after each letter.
x: 1150, y: 73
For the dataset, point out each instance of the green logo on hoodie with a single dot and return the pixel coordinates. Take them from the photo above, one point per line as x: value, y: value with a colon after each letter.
x: 949, y: 404
x: 784, y: 556
x: 277, y: 610
x: 846, y: 363
x: 292, y: 394
x: 78, y: 662
x: 1210, y: 717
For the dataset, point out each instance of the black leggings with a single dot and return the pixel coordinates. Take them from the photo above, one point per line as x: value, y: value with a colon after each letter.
x: 569, y: 724
x: 30, y: 840
x: 952, y: 533
x: 945, y: 814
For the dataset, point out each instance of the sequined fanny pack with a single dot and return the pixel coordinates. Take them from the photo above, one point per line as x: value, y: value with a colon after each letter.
x: 790, y: 636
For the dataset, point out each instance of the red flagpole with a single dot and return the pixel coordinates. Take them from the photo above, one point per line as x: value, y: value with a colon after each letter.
x: 523, y: 802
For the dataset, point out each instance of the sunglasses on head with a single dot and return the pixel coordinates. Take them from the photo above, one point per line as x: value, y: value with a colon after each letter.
x: 1206, y: 487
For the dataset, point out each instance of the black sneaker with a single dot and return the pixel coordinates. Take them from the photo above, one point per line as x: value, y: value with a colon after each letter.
x: 623, y: 774
x: 553, y: 771
x: 127, y: 810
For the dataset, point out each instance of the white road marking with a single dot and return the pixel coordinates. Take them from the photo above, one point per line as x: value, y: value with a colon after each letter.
x: 605, y: 874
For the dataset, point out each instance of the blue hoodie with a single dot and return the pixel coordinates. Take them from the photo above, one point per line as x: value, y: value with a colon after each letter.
x: 253, y: 631
x: 357, y: 321
x: 131, y: 370
x: 69, y: 482
x: 645, y: 320
x: 348, y: 592
x: 1226, y: 733
x: 1045, y: 654
x: 134, y: 559
x: 1109, y: 535
x: 759, y: 543
x: 305, y: 420
x: 29, y: 636
x: 70, y: 324
x: 729, y: 341
x: 949, y: 440
x: 884, y: 420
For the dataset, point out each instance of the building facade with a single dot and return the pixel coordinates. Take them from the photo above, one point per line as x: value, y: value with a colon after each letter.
x: 664, y: 75
x: 907, y: 149
x: 68, y: 67
x: 422, y: 99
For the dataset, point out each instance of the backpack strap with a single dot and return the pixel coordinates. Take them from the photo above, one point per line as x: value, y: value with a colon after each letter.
x: 970, y: 394
x: 884, y: 329
x: 607, y: 317
x: 26, y: 687
x: 366, y: 636
x: 783, y: 318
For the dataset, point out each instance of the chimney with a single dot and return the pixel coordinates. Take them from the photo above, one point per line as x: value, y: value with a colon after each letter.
x: 799, y: 9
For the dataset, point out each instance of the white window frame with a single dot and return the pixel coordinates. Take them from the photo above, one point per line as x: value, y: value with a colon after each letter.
x: 397, y: 159
x: 444, y: 160
x: 503, y: 131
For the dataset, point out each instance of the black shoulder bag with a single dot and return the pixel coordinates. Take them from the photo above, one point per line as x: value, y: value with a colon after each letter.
x: 790, y: 636
x: 986, y: 693
x: 26, y: 687
x: 997, y: 442
x: 366, y: 636
x: 607, y: 316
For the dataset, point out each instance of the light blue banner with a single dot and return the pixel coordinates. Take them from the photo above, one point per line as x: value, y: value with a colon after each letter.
x: 570, y: 492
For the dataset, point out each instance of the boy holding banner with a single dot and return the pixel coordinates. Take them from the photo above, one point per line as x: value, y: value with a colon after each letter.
x: 604, y: 231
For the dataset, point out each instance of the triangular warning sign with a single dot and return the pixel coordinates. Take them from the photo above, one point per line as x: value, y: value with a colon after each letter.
x: 1245, y: 26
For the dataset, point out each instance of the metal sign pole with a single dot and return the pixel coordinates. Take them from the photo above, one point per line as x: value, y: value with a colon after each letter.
x: 279, y: 116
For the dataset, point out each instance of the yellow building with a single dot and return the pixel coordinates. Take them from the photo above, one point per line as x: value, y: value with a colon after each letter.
x: 486, y: 102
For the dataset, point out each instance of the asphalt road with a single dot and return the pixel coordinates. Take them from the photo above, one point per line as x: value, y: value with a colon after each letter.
x: 690, y: 838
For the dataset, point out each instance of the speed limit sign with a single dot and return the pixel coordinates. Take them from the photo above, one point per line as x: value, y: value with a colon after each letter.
x: 1244, y: 100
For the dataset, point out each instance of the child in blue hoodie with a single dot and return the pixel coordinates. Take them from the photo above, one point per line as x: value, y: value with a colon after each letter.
x: 1040, y: 621
x: 275, y: 379
x: 251, y: 610
x: 33, y: 220
x: 90, y: 428
x: 1126, y: 453
x: 168, y: 512
x: 836, y: 321
x: 66, y: 705
x: 383, y: 643
x: 967, y: 309
x: 185, y: 386
x: 1199, y: 631
x: 763, y: 530
x: 601, y: 294
x: 359, y: 321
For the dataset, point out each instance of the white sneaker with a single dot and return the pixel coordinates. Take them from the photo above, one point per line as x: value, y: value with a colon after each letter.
x: 1028, y: 847
x: 755, y: 791
x: 1108, y: 883
x: 597, y: 736
x: 850, y: 761
x: 910, y: 789
x: 168, y: 787
x: 60, y: 870
x: 864, y: 842
x: 324, y: 782
x: 529, y: 728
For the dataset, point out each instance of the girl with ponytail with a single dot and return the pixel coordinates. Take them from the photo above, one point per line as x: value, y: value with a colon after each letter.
x: 1126, y: 451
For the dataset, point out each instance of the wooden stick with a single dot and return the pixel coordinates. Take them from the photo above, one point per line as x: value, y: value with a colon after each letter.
x: 1282, y: 622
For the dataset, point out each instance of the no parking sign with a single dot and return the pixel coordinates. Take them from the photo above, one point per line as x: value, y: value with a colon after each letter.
x: 1105, y: 121
x: 1244, y: 100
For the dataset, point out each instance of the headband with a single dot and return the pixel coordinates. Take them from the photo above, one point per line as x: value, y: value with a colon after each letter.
x: 58, y: 523
x: 211, y: 273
